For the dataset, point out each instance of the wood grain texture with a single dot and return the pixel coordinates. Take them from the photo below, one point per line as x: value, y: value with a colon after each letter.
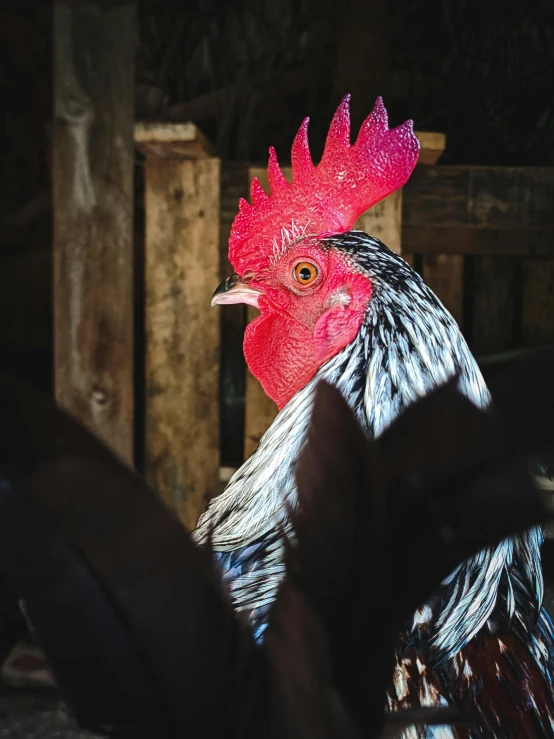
x: 384, y: 221
x: 172, y: 140
x: 537, y: 309
x: 444, y: 273
x: 432, y: 146
x: 479, y: 210
x: 93, y: 211
x: 493, y: 293
x: 182, y: 332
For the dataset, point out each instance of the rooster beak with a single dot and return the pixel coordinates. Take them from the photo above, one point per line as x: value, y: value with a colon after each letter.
x: 234, y: 290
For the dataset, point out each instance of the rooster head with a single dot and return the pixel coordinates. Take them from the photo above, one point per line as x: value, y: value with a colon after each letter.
x: 311, y: 295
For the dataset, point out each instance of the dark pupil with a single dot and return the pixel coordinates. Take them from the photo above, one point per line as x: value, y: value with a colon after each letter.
x: 305, y: 274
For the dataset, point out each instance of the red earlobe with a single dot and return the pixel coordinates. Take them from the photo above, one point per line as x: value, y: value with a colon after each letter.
x: 336, y: 328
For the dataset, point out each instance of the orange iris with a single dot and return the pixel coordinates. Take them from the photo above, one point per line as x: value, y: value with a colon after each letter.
x: 305, y: 273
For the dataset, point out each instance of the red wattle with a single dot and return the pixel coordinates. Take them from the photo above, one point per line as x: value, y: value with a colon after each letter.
x: 284, y: 355
x: 282, y: 367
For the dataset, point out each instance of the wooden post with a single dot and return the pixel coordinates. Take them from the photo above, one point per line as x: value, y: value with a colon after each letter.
x: 182, y: 184
x: 492, y: 299
x: 444, y: 273
x: 93, y: 154
x: 480, y: 211
x: 384, y: 221
x: 537, y: 318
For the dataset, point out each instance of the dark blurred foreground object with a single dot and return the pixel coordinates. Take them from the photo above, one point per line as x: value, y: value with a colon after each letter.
x: 133, y: 617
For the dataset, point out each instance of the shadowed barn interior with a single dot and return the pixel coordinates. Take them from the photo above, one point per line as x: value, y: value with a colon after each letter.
x: 128, y: 132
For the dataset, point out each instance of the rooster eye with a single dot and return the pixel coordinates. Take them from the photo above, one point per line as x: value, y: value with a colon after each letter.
x: 305, y: 273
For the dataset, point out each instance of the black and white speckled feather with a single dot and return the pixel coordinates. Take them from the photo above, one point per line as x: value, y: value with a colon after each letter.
x: 407, y: 345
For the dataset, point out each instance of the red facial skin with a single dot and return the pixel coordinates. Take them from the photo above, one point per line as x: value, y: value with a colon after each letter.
x: 302, y: 326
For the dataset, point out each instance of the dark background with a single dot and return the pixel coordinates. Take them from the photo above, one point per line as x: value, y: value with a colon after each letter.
x: 247, y: 72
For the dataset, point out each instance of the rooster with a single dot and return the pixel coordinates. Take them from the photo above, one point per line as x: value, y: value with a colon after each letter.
x: 164, y: 652
x: 338, y: 305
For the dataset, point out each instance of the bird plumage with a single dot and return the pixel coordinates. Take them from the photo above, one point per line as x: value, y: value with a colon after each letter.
x: 407, y: 345
x: 337, y: 305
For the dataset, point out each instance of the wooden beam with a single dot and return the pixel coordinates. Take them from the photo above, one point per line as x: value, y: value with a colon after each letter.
x: 182, y: 208
x: 482, y: 242
x: 432, y: 146
x: 484, y: 211
x: 93, y: 216
x: 172, y: 141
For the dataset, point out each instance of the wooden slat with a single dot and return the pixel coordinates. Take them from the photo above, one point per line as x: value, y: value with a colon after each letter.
x: 172, y: 140
x: 384, y: 221
x: 432, y: 146
x: 537, y: 309
x: 444, y: 274
x: 492, y: 297
x: 518, y: 242
x: 182, y: 333
x: 483, y: 211
x: 93, y: 207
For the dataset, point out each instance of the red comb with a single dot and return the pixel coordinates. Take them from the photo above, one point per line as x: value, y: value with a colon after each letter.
x: 328, y: 198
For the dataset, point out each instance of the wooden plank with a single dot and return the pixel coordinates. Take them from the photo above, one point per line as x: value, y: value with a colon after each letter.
x: 93, y: 209
x: 482, y: 242
x: 160, y: 133
x: 537, y: 310
x: 493, y: 292
x: 486, y: 197
x: 384, y: 221
x: 432, y: 146
x: 483, y: 211
x: 444, y: 273
x: 172, y: 140
x: 182, y: 333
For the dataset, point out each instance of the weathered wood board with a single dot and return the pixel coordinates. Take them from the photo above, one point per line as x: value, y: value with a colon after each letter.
x: 384, y: 221
x: 93, y: 151
x: 481, y: 211
x: 537, y: 302
x: 444, y: 273
x: 182, y: 207
x: 493, y: 288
